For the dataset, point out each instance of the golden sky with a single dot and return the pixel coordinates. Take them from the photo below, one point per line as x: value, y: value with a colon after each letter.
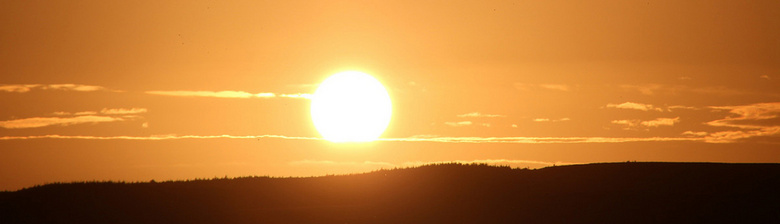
x: 140, y: 90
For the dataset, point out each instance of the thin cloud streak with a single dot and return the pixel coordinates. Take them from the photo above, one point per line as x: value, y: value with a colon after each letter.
x: 649, y: 123
x: 122, y: 111
x: 154, y: 137
x: 515, y: 140
x: 748, y: 121
x: 552, y: 120
x: 36, y: 122
x: 538, y: 140
x: 23, y: 88
x: 634, y: 106
x: 558, y: 87
x: 458, y: 124
x: 218, y: 94
x: 227, y: 94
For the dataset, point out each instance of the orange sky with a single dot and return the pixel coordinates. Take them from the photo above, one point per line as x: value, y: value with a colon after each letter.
x: 112, y: 90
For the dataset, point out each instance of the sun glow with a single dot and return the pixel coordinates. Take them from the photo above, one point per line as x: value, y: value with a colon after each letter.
x: 351, y: 107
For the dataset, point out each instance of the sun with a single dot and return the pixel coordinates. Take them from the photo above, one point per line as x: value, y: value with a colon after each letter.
x: 351, y: 106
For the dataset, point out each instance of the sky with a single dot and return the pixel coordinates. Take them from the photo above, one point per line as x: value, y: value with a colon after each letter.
x: 176, y: 90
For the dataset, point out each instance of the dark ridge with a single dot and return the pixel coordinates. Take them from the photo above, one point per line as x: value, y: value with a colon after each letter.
x: 444, y: 193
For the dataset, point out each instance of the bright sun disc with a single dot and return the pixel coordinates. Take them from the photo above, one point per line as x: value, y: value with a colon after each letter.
x: 351, y: 107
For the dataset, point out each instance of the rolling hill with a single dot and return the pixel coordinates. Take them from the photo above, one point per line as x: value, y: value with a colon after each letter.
x: 445, y: 193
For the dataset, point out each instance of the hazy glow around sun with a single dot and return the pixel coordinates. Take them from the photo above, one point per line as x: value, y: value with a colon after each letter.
x: 351, y: 106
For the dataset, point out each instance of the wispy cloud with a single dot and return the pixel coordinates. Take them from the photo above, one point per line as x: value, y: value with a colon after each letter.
x: 297, y: 95
x: 695, y: 133
x: 122, y: 111
x: 478, y: 114
x: 227, y: 94
x: 649, y: 123
x: 36, y: 122
x: 107, y: 111
x: 634, y: 106
x: 485, y: 140
x: 654, y: 89
x: 23, y: 88
x: 676, y: 107
x: 661, y: 122
x: 749, y: 115
x: 18, y: 88
x: 733, y: 136
x: 218, y: 94
x: 458, y: 124
x: 538, y: 140
x: 155, y: 137
x: 550, y: 120
x: 558, y: 87
x: 752, y: 120
x: 648, y: 89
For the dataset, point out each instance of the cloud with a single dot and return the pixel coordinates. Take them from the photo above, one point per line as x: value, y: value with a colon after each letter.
x: 154, y: 137
x: 123, y: 111
x: 649, y: 123
x: 475, y: 140
x: 648, y: 89
x: 63, y: 113
x: 297, y: 95
x: 555, y: 87
x: 220, y: 94
x: 752, y: 120
x: 765, y: 77
x: 18, y: 88
x: 634, y: 106
x: 538, y: 140
x: 23, y: 88
x: 553, y: 120
x: 698, y: 133
x: 108, y: 111
x: 653, y: 89
x: 661, y: 122
x: 675, y: 107
x: 37, y: 122
x: 74, y: 87
x: 227, y: 94
x: 631, y: 123
x: 733, y: 136
x: 458, y: 124
x: 478, y: 114
x: 748, y: 115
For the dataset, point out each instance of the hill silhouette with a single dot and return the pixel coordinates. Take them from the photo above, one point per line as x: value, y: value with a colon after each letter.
x: 444, y: 193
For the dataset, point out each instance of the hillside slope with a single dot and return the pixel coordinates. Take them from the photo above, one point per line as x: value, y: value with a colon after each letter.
x: 450, y: 193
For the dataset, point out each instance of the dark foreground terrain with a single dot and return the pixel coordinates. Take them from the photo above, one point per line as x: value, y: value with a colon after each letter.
x: 450, y: 193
